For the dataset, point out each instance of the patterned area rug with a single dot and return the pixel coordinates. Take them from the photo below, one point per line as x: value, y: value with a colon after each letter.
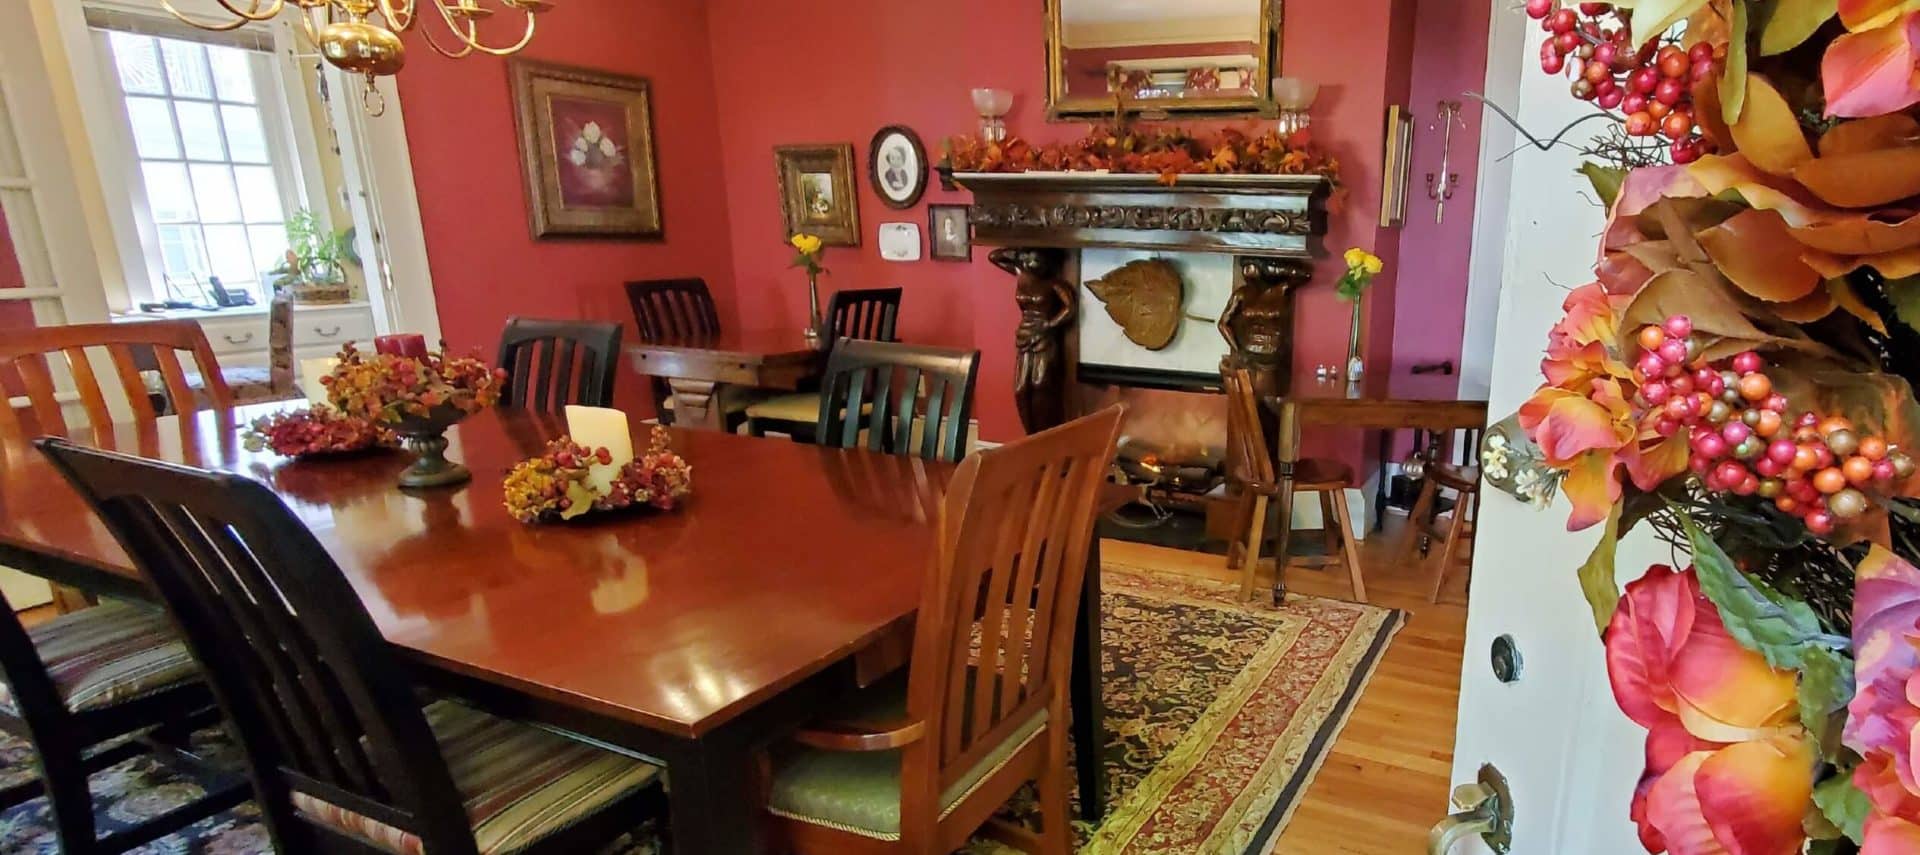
x: 1218, y: 716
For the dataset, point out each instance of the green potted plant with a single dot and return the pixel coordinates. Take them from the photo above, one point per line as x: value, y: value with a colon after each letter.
x: 314, y: 270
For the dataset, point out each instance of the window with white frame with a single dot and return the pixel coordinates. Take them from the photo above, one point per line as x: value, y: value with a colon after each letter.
x: 212, y: 174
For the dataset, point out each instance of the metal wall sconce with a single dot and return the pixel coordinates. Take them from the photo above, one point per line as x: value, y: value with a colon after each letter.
x: 1440, y: 186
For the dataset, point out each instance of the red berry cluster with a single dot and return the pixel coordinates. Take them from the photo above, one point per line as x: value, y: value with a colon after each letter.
x: 323, y: 430
x: 1651, y: 84
x: 1740, y: 440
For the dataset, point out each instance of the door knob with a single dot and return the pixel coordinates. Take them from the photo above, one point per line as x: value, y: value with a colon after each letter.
x: 1485, y: 808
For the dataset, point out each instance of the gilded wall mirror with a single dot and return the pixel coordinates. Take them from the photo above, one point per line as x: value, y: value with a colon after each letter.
x: 1212, y: 56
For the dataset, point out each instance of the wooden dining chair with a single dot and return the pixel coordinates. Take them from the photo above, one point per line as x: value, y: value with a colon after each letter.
x: 30, y: 352
x: 898, y: 398
x: 917, y: 764
x: 551, y: 363
x: 1253, y: 483
x: 679, y: 310
x: 869, y: 314
x: 77, y: 687
x: 1456, y: 534
x: 341, y: 753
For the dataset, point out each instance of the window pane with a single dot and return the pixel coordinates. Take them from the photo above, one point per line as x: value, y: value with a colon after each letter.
x: 213, y: 190
x: 232, y: 74
x: 187, y: 75
x: 182, y: 257
x: 269, y: 245
x: 200, y: 130
x: 259, y: 194
x: 152, y: 128
x: 246, y: 142
x: 139, y: 66
x: 232, y: 258
x: 169, y: 197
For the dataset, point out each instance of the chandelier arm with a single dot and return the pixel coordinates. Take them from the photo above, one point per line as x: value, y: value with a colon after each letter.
x: 467, y: 49
x: 241, y: 19
x: 307, y: 15
x: 400, y: 19
x: 473, y: 41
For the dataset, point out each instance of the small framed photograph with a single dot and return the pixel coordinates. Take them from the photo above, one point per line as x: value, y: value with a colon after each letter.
x: 949, y: 233
x: 897, y: 166
x: 586, y: 146
x: 816, y: 192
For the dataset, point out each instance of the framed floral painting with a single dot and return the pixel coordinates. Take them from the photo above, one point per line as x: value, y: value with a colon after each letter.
x: 816, y: 192
x: 586, y: 146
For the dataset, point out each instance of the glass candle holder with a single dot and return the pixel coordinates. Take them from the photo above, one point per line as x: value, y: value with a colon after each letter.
x: 1294, y: 96
x: 992, y: 105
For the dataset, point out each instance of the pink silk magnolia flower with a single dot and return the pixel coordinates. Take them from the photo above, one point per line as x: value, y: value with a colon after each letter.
x: 1870, y: 70
x: 1883, y: 720
x: 1729, y: 768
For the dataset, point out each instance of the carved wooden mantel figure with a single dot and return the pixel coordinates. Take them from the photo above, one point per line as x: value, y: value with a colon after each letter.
x: 1046, y: 303
x: 1258, y: 321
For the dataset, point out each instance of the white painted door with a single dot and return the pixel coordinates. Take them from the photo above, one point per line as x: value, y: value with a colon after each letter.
x: 1571, y: 758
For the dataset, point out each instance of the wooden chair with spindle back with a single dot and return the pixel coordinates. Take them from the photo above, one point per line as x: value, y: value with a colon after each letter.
x: 680, y: 310
x: 898, y: 398
x: 1251, y: 476
x: 342, y: 755
x: 919, y: 762
x: 541, y: 357
x: 869, y: 314
x: 27, y: 352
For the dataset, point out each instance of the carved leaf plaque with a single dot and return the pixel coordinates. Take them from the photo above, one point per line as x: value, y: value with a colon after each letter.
x: 1144, y: 297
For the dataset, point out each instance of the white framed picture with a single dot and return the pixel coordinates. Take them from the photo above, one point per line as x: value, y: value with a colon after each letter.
x: 900, y: 241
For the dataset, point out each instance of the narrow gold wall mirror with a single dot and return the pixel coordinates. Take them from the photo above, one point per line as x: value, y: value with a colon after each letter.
x: 1212, y: 56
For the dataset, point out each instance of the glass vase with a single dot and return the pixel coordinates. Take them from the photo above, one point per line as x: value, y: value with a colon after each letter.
x: 1355, y: 365
x: 816, y: 328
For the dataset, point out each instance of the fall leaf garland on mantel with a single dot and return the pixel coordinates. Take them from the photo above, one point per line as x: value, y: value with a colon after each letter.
x: 1168, y: 152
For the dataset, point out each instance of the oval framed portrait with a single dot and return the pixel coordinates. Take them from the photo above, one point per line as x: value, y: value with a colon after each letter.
x: 897, y: 166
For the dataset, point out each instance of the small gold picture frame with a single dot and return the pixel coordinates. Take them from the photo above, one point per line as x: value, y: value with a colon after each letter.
x: 1397, y: 168
x: 817, y: 193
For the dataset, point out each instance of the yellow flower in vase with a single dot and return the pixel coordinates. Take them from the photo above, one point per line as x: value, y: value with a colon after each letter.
x: 807, y: 255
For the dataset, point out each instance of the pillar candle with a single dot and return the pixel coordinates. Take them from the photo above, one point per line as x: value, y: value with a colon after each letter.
x: 601, y: 427
x: 402, y: 344
x: 311, y: 370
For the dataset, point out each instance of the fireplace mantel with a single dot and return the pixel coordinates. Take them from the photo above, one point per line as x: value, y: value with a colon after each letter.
x: 1264, y: 216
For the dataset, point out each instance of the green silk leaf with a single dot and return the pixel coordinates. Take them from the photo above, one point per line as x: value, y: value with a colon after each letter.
x: 1606, y: 181
x: 1784, y: 24
x: 1826, y: 685
x: 1763, y: 621
x: 1733, y: 78
x: 1596, y: 576
x: 1843, y: 804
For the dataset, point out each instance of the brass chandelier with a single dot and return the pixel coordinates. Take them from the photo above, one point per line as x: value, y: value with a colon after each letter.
x: 350, y: 35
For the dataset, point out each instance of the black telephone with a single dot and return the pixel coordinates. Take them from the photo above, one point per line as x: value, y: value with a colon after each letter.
x: 228, y: 298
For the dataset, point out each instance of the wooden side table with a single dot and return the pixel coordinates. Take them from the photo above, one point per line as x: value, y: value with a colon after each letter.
x: 697, y: 369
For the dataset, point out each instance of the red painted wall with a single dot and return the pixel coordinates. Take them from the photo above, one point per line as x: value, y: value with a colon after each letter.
x: 912, y: 63
x: 466, y: 165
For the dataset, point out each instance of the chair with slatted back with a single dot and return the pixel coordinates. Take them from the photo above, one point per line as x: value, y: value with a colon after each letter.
x: 898, y: 398
x: 1456, y: 535
x: 869, y: 314
x: 682, y: 310
x: 919, y: 762
x: 1253, y: 484
x: 76, y: 688
x: 29, y: 353
x: 551, y: 364
x: 341, y: 753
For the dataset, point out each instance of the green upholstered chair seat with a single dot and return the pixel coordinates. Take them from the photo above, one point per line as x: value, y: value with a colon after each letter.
x: 859, y: 791
x: 791, y: 407
x: 108, y: 654
x: 520, y: 783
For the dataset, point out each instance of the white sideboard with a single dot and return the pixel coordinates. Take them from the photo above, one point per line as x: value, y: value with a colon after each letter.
x: 239, y: 336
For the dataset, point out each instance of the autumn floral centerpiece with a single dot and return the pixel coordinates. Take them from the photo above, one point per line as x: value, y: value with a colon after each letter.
x: 419, y: 394
x: 560, y: 482
x: 1124, y: 146
x: 1739, y: 378
x: 316, y: 432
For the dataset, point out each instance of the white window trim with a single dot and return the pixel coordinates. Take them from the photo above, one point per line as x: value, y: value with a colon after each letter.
x: 295, y: 173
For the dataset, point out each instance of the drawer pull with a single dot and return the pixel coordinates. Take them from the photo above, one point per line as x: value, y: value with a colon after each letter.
x: 245, y: 339
x: 327, y: 333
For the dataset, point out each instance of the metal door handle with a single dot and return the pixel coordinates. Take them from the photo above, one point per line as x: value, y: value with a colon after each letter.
x: 327, y: 333
x: 1486, y: 809
x: 241, y: 340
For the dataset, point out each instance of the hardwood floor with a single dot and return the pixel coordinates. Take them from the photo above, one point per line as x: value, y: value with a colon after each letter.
x: 1385, y: 783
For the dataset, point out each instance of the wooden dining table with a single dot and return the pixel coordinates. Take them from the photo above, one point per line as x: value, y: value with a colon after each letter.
x: 694, y: 638
x: 699, y: 368
x: 1387, y: 401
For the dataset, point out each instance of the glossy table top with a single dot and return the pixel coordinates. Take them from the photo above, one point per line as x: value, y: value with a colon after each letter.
x: 786, y: 559
x: 738, y: 344
x: 1391, y: 385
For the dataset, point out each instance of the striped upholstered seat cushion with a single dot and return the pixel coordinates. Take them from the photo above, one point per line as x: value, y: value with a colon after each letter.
x: 107, y: 654
x: 520, y: 783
